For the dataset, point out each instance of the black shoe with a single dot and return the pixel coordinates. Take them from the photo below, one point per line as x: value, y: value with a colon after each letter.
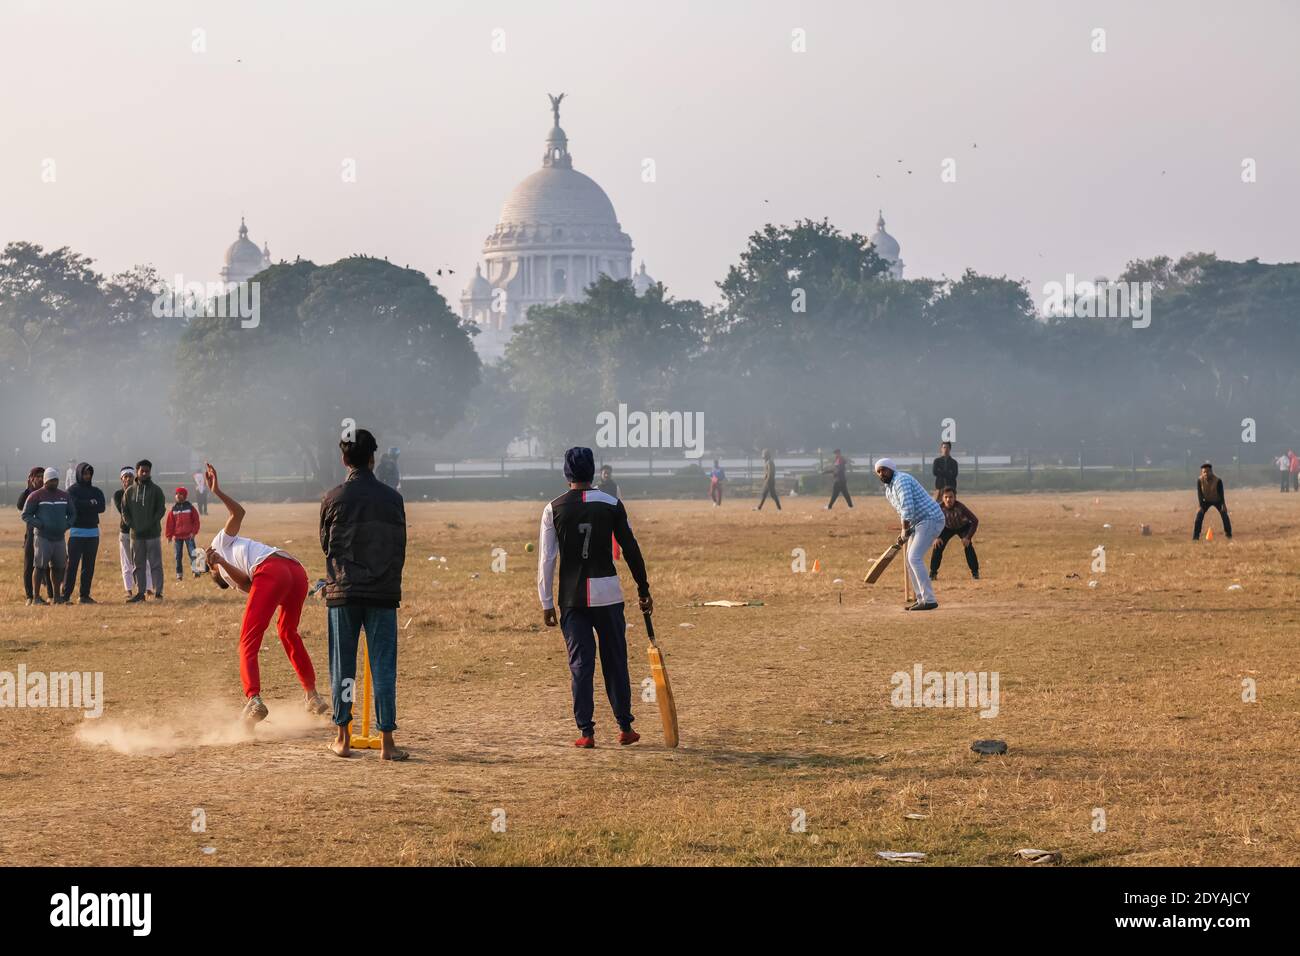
x: 62, y: 600
x: 39, y: 600
x: 974, y: 575
x: 157, y: 597
x: 135, y: 599
x: 87, y: 600
x: 918, y: 606
x: 934, y: 575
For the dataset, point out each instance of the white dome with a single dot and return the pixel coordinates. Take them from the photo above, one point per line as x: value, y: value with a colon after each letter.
x: 555, y: 195
x: 886, y: 245
x: 477, y: 287
x: 642, y: 280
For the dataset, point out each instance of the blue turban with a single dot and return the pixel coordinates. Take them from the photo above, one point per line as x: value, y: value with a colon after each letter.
x: 579, y: 465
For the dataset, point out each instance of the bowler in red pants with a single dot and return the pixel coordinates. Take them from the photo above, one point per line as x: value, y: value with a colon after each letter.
x: 272, y: 578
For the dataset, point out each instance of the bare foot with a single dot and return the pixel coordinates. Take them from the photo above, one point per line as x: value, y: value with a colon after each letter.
x: 341, y: 745
x: 394, y: 753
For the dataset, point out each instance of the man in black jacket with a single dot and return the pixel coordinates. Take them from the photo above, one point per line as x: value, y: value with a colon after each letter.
x: 945, y: 469
x: 363, y: 535
x: 1209, y: 494
x: 83, y: 537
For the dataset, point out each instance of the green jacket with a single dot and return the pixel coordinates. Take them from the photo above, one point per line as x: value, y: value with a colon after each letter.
x: 143, y: 507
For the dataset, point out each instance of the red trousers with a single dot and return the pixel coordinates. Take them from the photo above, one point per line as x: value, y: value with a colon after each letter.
x: 277, y: 582
x: 715, y: 492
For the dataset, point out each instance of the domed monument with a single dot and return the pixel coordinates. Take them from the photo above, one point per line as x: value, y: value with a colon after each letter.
x: 556, y: 233
x: 243, y: 259
x: 887, y: 247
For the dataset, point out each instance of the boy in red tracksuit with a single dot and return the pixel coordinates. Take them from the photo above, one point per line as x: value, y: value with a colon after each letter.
x: 181, y: 529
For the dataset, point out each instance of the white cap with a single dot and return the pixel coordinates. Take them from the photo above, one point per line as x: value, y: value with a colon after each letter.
x: 51, y: 474
x: 885, y: 463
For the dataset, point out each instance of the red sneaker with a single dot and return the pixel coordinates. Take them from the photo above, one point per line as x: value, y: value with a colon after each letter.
x: 628, y: 737
x: 586, y: 743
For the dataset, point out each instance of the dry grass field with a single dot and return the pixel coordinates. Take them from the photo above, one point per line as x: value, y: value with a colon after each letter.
x: 1125, y: 697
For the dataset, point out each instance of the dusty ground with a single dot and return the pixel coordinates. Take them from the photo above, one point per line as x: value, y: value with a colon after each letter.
x: 1125, y: 698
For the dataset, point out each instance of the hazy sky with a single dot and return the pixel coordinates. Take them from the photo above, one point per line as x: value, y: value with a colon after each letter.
x: 1067, y: 160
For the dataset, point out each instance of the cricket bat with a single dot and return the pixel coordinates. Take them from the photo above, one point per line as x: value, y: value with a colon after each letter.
x: 663, y: 690
x: 878, y: 567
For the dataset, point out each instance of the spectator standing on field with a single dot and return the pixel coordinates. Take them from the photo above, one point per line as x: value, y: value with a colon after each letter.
x: 769, y: 481
x: 944, y: 469
x: 716, y: 477
x: 51, y: 513
x: 182, y: 528
x: 201, y: 492
x: 83, y: 538
x: 609, y: 486
x: 1293, y: 466
x: 127, y: 477
x: 31, y: 580
x: 1209, y: 494
x: 840, y: 481
x: 388, y: 471
x: 143, y: 507
x: 363, y: 535
x: 1284, y: 469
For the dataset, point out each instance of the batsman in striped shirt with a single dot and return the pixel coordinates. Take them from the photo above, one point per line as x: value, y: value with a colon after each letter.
x: 578, y: 530
x: 922, y: 523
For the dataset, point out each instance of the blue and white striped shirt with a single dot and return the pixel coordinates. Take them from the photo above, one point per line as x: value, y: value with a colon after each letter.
x: 910, y: 499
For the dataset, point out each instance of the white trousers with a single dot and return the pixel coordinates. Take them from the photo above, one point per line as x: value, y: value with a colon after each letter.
x: 918, y: 553
x: 128, y: 566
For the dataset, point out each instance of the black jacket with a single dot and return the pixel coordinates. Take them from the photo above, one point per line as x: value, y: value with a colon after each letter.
x: 363, y: 535
x: 1200, y: 496
x: 88, y: 499
x: 945, y: 472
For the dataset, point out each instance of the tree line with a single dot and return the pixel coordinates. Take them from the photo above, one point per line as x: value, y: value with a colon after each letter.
x: 811, y: 345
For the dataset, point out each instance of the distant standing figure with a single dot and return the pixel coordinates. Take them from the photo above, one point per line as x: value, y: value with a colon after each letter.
x: 182, y: 528
x: 769, y: 481
x: 608, y: 485
x: 143, y: 507
x: 840, y: 481
x: 127, y: 477
x: 31, y: 581
x: 1295, y: 469
x: 51, y: 513
x: 83, y: 537
x: 388, y: 471
x: 716, y: 477
x: 944, y: 469
x: 1209, y: 494
x: 1284, y: 469
x: 201, y: 492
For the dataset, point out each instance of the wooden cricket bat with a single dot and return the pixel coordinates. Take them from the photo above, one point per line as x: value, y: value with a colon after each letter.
x: 878, y: 567
x: 663, y: 690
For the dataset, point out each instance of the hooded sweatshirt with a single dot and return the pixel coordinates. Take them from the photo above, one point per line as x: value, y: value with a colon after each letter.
x: 143, y: 507
x: 50, y: 511
x: 89, y: 502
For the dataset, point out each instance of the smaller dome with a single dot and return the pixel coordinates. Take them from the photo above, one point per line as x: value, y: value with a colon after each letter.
x: 477, y: 287
x: 243, y: 255
x: 886, y: 245
x: 642, y: 280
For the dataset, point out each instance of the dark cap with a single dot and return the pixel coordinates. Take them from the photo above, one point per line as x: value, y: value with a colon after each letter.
x: 579, y: 464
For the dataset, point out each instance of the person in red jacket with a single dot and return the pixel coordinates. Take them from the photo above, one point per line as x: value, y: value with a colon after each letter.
x: 181, y: 529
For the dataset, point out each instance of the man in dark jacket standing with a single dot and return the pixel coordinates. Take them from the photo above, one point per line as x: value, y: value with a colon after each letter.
x: 50, y: 512
x: 1209, y: 494
x: 840, y: 481
x: 143, y: 507
x: 363, y: 535
x: 83, y: 538
x: 944, y: 469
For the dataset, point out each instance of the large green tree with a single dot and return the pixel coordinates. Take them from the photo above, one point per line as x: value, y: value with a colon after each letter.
x: 359, y: 340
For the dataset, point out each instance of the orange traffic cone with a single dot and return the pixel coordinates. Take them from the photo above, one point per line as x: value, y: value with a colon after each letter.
x: 1209, y: 535
x: 817, y: 565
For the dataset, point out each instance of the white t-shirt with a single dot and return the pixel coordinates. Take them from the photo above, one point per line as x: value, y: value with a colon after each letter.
x: 200, y: 482
x: 242, y: 553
